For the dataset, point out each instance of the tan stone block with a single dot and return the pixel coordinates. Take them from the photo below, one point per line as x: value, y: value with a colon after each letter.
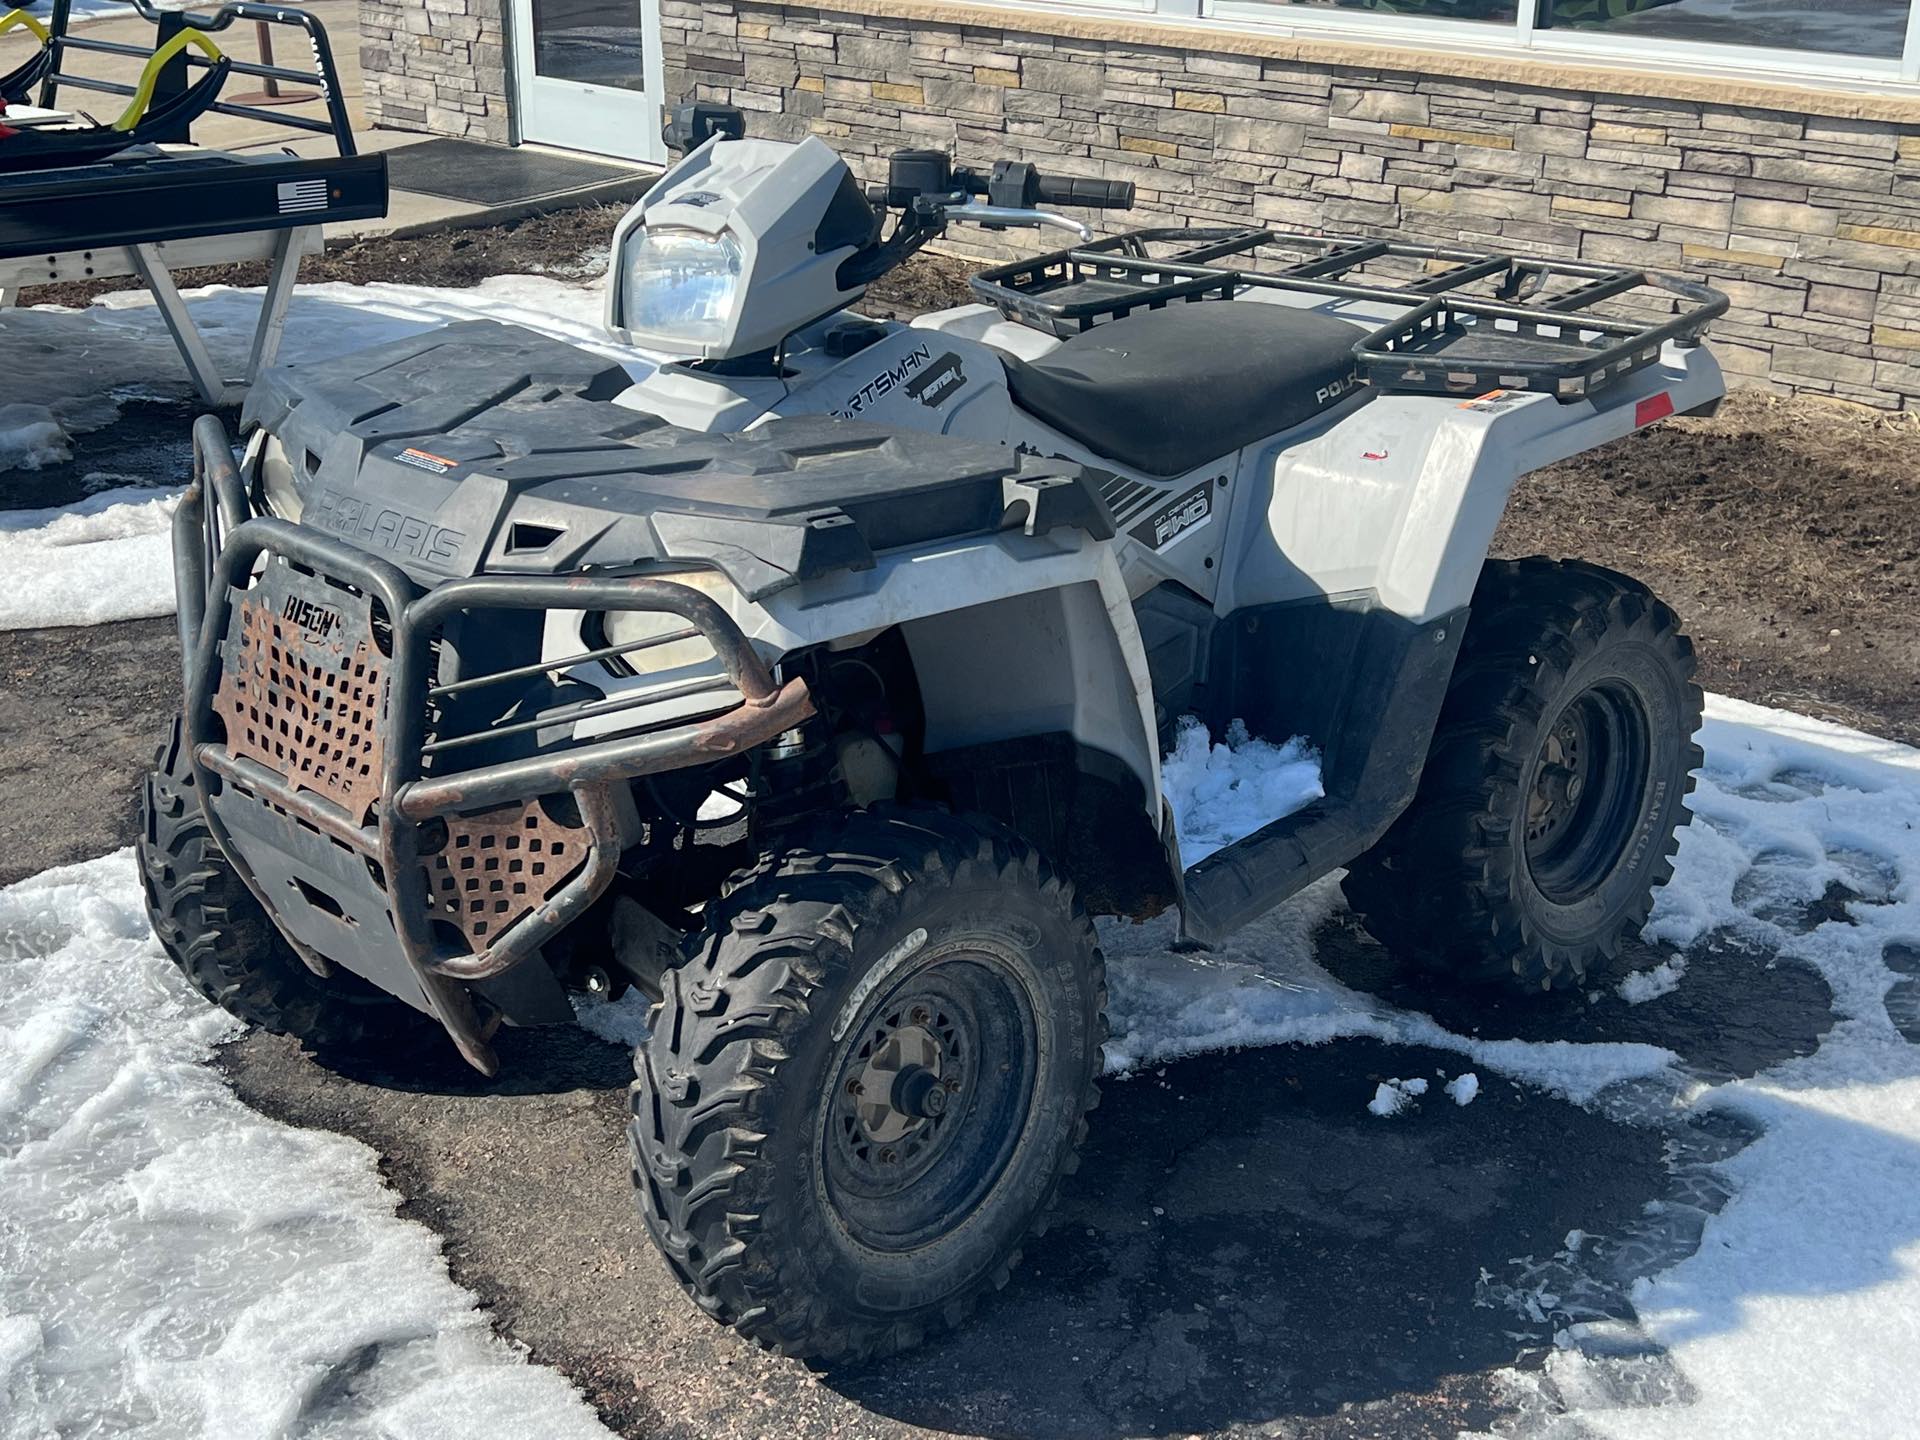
x: 1626, y: 134
x: 1881, y: 235
x: 1452, y: 137
x: 1896, y: 339
x: 1201, y: 100
x: 811, y: 83
x: 1141, y: 145
x: 1751, y: 258
x: 899, y: 94
x: 987, y: 75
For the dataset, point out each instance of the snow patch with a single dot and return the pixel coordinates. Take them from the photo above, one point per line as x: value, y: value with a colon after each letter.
x: 1223, y: 793
x: 1644, y: 985
x: 618, y: 1022
x: 72, y: 367
x: 1463, y: 1089
x: 174, y: 1261
x: 1393, y: 1096
x: 108, y: 557
x: 30, y: 437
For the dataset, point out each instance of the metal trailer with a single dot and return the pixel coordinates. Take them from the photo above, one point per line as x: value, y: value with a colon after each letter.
x: 149, y: 211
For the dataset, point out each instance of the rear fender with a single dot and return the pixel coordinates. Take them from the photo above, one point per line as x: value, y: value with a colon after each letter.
x: 1399, y: 499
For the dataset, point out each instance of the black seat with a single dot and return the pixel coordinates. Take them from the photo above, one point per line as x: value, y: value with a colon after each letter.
x: 1166, y: 390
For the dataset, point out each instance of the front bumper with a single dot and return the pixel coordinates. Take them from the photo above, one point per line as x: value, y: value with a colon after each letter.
x: 310, y: 691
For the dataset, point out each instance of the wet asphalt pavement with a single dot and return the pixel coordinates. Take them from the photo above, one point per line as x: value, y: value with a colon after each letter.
x: 1245, y: 1250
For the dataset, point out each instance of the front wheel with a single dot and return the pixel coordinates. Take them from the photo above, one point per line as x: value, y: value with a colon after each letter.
x: 859, y: 1096
x: 1550, y: 805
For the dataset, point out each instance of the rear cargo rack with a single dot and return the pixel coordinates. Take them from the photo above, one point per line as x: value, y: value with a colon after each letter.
x: 1473, y: 320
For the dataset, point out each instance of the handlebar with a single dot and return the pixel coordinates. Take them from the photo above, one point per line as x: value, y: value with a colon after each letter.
x: 1014, y: 184
x: 1093, y: 194
x: 929, y: 192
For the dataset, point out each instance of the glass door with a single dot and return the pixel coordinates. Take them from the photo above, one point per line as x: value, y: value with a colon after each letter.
x: 587, y: 75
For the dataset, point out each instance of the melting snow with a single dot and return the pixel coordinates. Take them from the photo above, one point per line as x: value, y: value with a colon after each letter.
x: 1799, y: 1314
x: 30, y: 437
x: 1393, y: 1096
x: 1462, y: 1089
x: 172, y: 1263
x: 109, y: 557
x: 1221, y: 793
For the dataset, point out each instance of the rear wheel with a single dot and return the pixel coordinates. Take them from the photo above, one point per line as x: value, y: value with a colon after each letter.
x: 222, y: 940
x: 1549, y: 809
x: 859, y: 1097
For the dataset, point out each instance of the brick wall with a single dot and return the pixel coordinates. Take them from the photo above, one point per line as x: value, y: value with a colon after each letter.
x: 435, y: 65
x: 1811, y: 224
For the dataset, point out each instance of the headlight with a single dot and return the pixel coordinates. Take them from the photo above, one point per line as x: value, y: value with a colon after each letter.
x: 680, y: 284
x: 625, y: 627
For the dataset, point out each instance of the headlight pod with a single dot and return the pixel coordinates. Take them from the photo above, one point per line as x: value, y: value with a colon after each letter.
x: 630, y: 627
x: 680, y: 285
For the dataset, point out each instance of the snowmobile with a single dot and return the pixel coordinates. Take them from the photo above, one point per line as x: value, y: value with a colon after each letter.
x: 814, y: 682
x: 143, y: 122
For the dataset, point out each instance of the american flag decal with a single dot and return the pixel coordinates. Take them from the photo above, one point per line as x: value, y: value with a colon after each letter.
x: 298, y: 195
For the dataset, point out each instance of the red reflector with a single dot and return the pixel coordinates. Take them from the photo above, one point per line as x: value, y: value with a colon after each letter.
x: 1654, y: 407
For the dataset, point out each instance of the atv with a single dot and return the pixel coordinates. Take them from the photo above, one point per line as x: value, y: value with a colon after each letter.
x: 814, y: 683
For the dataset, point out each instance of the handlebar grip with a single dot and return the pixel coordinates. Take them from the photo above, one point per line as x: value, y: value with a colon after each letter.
x: 1094, y: 194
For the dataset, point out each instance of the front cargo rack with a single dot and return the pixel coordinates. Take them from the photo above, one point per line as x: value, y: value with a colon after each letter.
x: 1472, y: 320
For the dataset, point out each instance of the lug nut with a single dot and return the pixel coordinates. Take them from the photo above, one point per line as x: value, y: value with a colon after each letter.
x: 854, y: 1087
x: 921, y: 1015
x: 889, y: 1156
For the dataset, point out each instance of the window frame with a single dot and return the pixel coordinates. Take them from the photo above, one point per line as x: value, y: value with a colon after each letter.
x: 1525, y: 36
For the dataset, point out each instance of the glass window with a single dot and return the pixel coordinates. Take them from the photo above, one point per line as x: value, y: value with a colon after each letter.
x: 1498, y: 11
x: 594, y: 42
x: 1875, y: 28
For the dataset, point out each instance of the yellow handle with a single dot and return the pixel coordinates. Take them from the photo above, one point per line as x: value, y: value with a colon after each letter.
x: 150, y: 73
x: 13, y: 19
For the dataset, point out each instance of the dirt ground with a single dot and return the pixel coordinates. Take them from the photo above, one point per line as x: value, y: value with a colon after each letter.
x: 1221, y: 1265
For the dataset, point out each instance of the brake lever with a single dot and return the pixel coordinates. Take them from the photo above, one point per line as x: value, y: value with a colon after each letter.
x: 998, y: 216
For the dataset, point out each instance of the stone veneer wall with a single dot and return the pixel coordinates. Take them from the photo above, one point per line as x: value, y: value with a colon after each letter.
x: 1810, y: 224
x: 436, y: 65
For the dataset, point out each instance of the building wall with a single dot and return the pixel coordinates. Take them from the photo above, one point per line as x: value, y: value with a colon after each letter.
x: 438, y: 66
x: 1810, y: 224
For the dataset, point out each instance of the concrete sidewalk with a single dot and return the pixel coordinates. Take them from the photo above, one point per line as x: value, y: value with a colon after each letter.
x: 407, y: 211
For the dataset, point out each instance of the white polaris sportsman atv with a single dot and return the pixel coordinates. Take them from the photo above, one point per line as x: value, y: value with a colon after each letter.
x: 817, y: 682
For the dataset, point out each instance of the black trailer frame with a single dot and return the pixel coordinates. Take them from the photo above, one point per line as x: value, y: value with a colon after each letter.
x: 148, y: 212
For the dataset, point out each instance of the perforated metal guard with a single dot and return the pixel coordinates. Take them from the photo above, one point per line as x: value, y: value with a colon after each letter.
x: 500, y: 865
x: 306, y: 703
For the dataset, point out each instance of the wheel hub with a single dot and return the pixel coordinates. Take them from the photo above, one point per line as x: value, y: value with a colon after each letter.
x: 1560, y: 782
x: 894, y: 1092
x: 1584, y: 801
x: 930, y: 1100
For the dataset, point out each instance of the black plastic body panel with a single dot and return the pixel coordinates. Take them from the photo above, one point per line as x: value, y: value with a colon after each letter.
x: 1363, y: 683
x: 433, y: 450
x: 1083, y: 808
x: 167, y: 196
